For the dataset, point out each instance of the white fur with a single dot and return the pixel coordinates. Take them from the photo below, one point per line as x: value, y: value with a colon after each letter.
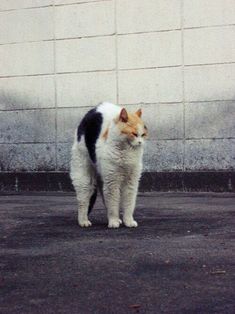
x: 119, y: 164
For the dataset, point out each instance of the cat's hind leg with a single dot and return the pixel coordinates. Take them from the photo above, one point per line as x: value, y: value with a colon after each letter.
x: 83, y: 178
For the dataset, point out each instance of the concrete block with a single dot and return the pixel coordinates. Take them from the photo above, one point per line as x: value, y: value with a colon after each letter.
x: 212, y: 82
x: 163, y: 156
x: 210, y: 154
x: 165, y: 121
x: 26, y: 25
x: 68, y: 120
x: 26, y: 58
x: 86, y: 54
x: 20, y: 4
x: 63, y: 156
x: 27, y: 92
x: 149, y: 50
x: 210, y: 45
x: 150, y: 86
x: 86, y: 19
x: 209, y: 12
x: 210, y: 120
x: 85, y: 89
x: 27, y: 157
x: 149, y: 15
x: 27, y: 126
x: 159, y: 156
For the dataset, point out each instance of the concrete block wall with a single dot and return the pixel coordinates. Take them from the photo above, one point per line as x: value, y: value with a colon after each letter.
x: 174, y: 58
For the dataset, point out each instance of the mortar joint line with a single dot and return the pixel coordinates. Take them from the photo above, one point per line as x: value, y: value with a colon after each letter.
x: 116, y: 51
x: 183, y: 83
x: 55, y: 84
x: 52, y: 5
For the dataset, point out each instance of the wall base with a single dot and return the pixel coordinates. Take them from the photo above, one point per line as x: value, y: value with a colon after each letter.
x: 157, y: 181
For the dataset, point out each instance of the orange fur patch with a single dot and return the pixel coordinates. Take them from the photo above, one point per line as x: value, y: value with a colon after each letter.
x: 106, y: 133
x: 131, y: 126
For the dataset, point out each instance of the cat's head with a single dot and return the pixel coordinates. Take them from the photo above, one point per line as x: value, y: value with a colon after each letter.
x: 132, y: 127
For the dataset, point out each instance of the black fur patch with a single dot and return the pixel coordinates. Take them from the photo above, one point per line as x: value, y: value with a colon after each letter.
x: 92, y: 201
x: 90, y: 127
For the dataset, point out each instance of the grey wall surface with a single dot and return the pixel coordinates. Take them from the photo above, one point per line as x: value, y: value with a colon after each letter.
x: 175, y: 58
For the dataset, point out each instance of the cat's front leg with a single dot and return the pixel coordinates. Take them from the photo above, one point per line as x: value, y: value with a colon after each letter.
x: 128, y: 196
x: 111, y: 191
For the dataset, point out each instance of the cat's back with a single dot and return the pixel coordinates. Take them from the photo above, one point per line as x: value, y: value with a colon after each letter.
x: 108, y: 110
x: 94, y: 123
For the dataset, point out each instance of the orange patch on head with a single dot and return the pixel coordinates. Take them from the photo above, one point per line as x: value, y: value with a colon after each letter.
x: 129, y: 125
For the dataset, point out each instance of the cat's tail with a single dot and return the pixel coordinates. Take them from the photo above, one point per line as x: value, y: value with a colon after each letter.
x: 92, y: 201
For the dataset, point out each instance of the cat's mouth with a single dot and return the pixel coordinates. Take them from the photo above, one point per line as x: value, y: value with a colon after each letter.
x: 134, y: 145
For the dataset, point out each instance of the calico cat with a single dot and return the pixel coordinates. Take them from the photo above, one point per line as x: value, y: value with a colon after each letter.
x: 107, y: 154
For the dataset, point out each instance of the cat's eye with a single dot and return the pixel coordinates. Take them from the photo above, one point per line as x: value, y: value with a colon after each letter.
x: 135, y: 134
x: 143, y: 135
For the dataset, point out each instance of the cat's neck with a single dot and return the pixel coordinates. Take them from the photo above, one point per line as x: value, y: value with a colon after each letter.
x: 124, y: 146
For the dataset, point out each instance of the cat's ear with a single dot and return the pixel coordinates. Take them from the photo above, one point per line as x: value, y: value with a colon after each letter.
x: 139, y: 113
x: 123, y: 115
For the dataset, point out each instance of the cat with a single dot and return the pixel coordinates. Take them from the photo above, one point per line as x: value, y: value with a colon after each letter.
x: 107, y: 154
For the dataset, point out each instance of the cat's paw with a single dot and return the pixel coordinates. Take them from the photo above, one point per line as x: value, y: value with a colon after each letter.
x: 114, y: 223
x: 84, y: 223
x: 131, y: 223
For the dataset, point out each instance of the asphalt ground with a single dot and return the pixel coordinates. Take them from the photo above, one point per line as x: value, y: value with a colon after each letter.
x: 181, y: 258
